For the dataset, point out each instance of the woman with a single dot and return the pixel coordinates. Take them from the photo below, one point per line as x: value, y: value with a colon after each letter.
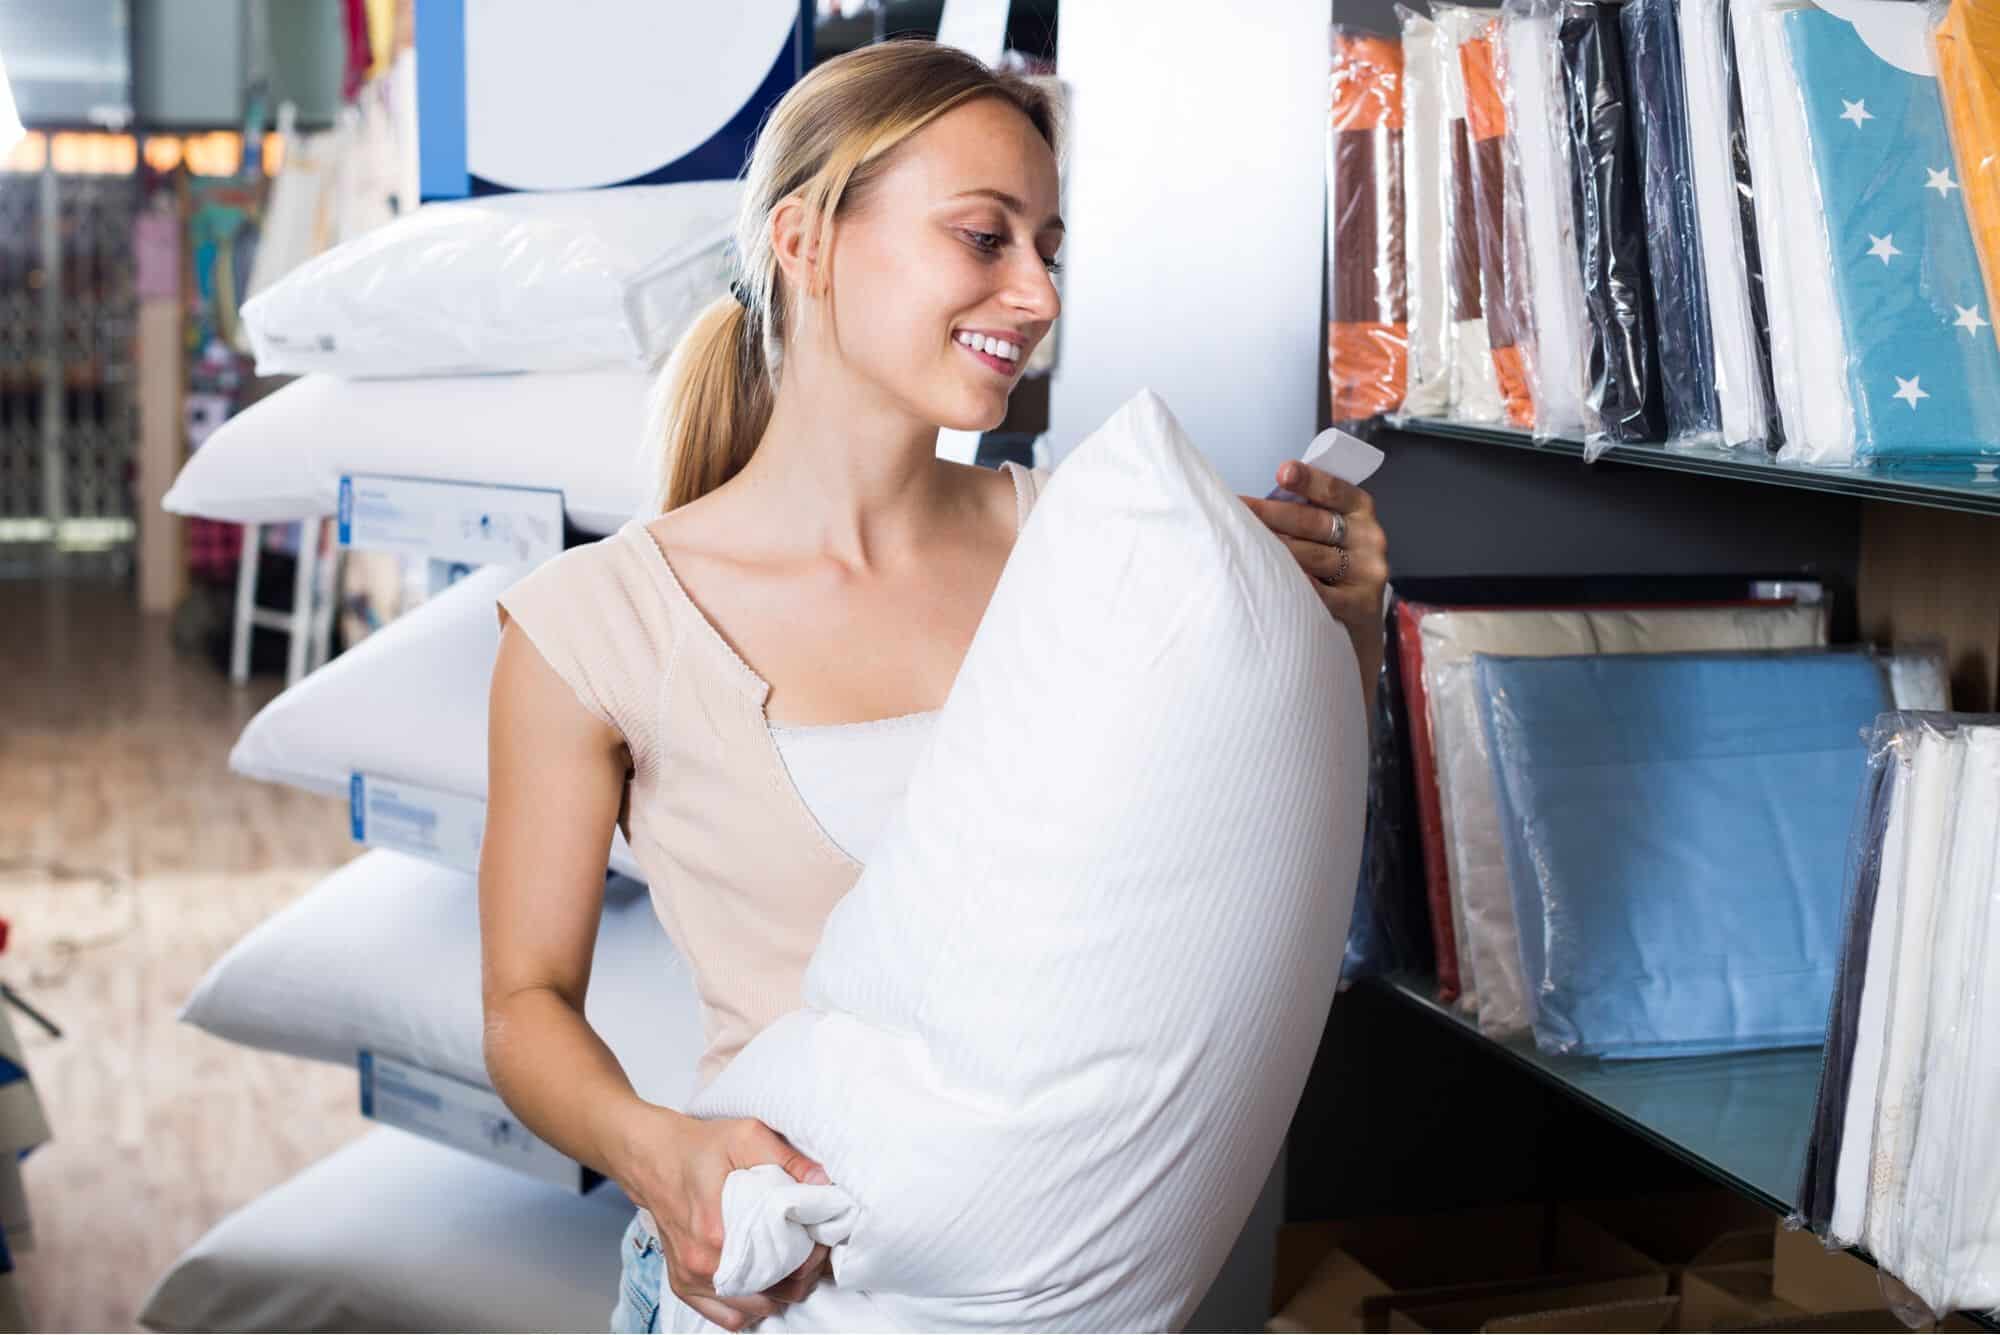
x: 816, y: 570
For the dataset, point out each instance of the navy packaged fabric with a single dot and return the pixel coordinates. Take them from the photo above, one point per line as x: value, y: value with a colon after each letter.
x: 1673, y: 240
x: 1676, y: 836
x: 1606, y: 193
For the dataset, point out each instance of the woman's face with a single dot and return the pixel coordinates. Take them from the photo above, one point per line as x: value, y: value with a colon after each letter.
x: 952, y: 244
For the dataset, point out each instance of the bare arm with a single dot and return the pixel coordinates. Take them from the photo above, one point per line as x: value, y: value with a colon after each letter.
x: 555, y: 778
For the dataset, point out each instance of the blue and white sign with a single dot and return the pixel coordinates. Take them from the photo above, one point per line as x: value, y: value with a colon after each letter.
x: 525, y: 95
x: 468, y: 522
x: 463, y: 1116
x: 410, y: 818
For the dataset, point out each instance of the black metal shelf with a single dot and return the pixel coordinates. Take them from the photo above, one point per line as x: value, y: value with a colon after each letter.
x: 1968, y: 489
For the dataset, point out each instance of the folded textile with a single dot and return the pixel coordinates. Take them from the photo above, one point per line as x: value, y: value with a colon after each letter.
x: 1557, y: 373
x: 1675, y: 828
x: 1469, y: 812
x: 1968, y: 60
x: 1896, y: 1162
x: 1808, y: 351
x: 1475, y: 383
x: 1923, y: 369
x: 1606, y: 188
x: 1368, y: 331
x: 1673, y: 241
x: 1732, y: 273
x: 1426, y: 240
x: 1503, y: 258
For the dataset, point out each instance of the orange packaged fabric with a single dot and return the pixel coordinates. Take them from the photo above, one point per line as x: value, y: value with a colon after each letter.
x: 1367, y: 332
x: 1968, y: 51
x: 1503, y: 257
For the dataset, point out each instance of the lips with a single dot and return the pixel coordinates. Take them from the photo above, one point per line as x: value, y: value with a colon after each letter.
x: 999, y: 365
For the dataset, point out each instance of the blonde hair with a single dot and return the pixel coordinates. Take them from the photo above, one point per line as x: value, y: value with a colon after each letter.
x: 827, y: 140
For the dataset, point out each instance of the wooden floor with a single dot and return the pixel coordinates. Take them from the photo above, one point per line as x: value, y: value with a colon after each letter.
x: 130, y: 858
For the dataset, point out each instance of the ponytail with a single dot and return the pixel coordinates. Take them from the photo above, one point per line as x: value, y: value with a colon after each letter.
x: 711, y: 403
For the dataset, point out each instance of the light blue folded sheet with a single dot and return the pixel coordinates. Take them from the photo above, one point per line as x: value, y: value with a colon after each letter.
x: 1676, y: 828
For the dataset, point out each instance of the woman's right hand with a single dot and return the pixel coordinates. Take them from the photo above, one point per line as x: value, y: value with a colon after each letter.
x: 674, y: 1165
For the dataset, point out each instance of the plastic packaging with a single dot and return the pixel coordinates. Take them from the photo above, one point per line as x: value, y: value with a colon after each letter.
x: 1808, y: 351
x: 1900, y: 1157
x: 1673, y: 236
x: 1367, y: 330
x: 1922, y: 369
x: 564, y: 281
x: 1496, y: 196
x: 1475, y: 386
x: 1426, y: 240
x: 1611, y: 229
x: 1968, y: 57
x: 1725, y: 201
x: 1532, y: 85
x: 1675, y: 826
x: 1470, y: 812
x: 1920, y: 676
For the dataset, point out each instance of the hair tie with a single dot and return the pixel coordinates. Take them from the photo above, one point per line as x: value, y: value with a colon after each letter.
x: 741, y: 293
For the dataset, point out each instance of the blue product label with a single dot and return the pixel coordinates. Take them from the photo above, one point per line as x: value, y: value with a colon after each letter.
x: 357, y: 807
x: 346, y: 511
x: 367, y: 1083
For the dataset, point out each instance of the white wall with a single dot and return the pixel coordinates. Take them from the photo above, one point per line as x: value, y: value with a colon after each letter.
x: 1195, y: 201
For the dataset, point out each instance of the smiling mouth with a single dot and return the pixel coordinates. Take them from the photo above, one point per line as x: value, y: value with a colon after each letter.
x: 1001, y: 365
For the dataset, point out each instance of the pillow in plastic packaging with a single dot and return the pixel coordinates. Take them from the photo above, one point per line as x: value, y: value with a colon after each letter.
x: 407, y: 704
x: 383, y: 956
x: 1475, y: 383
x: 1368, y: 329
x: 1676, y: 833
x: 561, y: 281
x: 1069, y: 972
x: 282, y: 458
x: 1427, y: 240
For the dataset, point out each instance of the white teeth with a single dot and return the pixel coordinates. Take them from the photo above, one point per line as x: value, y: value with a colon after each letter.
x: 991, y: 346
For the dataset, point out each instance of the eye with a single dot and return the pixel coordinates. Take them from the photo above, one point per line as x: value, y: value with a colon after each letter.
x: 986, y: 242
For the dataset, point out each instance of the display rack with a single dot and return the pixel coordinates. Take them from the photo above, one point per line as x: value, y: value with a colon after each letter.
x: 1973, y: 490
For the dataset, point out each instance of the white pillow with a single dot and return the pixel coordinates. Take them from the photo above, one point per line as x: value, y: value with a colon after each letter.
x: 384, y: 955
x: 517, y: 282
x: 282, y: 458
x: 408, y: 703
x: 396, y: 1233
x: 1054, y: 1035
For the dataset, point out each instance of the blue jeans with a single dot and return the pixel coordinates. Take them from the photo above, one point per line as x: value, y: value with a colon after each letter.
x: 641, y: 1280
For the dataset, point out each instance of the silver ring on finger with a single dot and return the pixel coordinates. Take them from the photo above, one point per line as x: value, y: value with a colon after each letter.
x: 1339, y: 536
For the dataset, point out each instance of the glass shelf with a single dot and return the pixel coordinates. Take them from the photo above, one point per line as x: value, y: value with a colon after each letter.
x: 1743, y: 1118
x: 1976, y: 492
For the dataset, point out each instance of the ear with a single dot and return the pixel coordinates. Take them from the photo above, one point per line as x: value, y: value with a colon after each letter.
x: 795, y: 243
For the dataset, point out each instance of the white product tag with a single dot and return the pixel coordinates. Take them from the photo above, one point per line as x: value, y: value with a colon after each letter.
x: 464, y: 1116
x: 1348, y: 458
x: 452, y: 521
x: 410, y: 818
x: 1805, y: 592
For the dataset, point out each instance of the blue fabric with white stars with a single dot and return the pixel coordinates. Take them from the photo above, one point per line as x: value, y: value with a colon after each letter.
x: 1923, y: 366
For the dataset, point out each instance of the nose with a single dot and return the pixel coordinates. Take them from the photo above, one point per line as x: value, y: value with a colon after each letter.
x: 1032, y: 289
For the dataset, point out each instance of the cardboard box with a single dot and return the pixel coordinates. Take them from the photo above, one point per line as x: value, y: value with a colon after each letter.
x: 1808, y: 1276
x: 1727, y: 1296
x: 1367, y: 1267
x: 1541, y: 1303
x: 1685, y: 1228
x: 465, y: 1117
x: 1643, y: 1315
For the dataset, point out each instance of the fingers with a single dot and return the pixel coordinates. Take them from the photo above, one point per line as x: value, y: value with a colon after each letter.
x: 714, y: 1309
x: 1324, y: 489
x: 795, y: 1287
x: 761, y: 1145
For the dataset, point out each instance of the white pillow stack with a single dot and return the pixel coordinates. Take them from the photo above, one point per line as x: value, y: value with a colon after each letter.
x: 413, y: 341
x: 1053, y: 1037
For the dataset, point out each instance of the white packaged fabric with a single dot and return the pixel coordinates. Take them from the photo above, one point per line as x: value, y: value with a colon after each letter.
x: 394, y: 1233
x: 1426, y: 171
x: 281, y: 459
x: 1706, y: 53
x: 1808, y: 346
x: 407, y: 704
x: 1475, y: 383
x: 561, y: 281
x: 1473, y: 849
x: 1087, y: 967
x: 1536, y: 117
x: 383, y: 955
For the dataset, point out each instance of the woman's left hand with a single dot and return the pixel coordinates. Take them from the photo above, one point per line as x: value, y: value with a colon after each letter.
x: 1341, y: 546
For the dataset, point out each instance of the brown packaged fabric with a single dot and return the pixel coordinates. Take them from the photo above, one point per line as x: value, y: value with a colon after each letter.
x: 1368, y: 317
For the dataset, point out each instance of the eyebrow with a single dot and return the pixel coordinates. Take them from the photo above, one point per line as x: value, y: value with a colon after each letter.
x: 1012, y: 205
